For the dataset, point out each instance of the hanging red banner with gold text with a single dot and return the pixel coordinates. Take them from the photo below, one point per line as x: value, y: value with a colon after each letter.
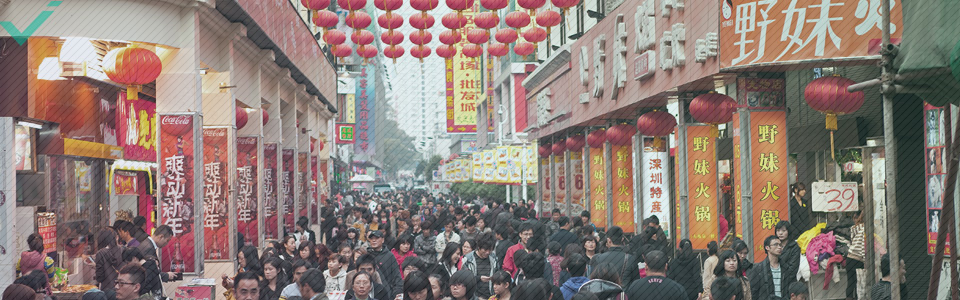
x: 314, y: 190
x: 303, y: 164
x: 247, y: 188
x: 598, y: 188
x: 216, y: 180
x: 768, y: 155
x: 287, y: 185
x: 271, y: 191
x: 622, y: 166
x: 176, y: 188
x: 702, y: 190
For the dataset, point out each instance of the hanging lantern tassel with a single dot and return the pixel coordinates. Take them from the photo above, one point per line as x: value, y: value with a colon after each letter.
x: 714, y: 131
x: 133, y: 92
x: 657, y: 142
x: 831, y: 124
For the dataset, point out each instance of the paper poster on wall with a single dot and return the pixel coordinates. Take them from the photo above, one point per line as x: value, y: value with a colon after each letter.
x: 934, y: 157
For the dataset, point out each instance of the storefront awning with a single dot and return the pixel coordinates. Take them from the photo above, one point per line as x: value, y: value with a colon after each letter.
x: 931, y: 31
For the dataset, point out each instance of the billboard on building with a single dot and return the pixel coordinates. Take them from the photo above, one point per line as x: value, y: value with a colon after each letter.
x: 464, y: 85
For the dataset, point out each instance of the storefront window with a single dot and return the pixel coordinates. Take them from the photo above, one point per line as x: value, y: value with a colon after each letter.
x: 79, y: 198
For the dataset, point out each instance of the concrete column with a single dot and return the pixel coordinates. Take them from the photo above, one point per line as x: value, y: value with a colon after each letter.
x: 8, y: 203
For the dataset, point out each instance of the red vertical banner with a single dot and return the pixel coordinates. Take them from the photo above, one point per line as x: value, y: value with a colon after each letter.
x: 737, y: 186
x: 303, y: 166
x: 598, y: 188
x: 577, y: 192
x: 47, y: 228
x: 314, y: 190
x: 546, y: 184
x: 622, y: 166
x: 247, y: 208
x: 560, y: 178
x: 287, y: 185
x: 216, y: 180
x: 176, y: 188
x: 271, y: 191
x: 935, y: 139
x: 702, y: 189
x: 655, y: 191
x: 768, y: 157
x: 136, y: 133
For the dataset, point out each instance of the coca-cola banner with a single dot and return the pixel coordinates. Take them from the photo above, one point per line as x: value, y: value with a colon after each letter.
x: 216, y: 180
x: 176, y: 188
x: 287, y: 182
x: 270, y: 191
x: 136, y: 124
x: 247, y: 188
x: 303, y: 184
x: 314, y: 198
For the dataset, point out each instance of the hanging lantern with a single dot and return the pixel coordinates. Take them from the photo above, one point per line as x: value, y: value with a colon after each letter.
x: 325, y: 19
x: 241, y: 116
x: 596, y: 138
x: 517, y: 19
x: 621, y: 135
x: 486, y: 20
x: 713, y: 109
x: 421, y: 37
x: 656, y: 124
x: 506, y: 35
x: 535, y: 35
x: 393, y: 52
x: 446, y: 51
x: 352, y: 5
x: 391, y: 37
x: 559, y: 147
x: 424, y: 5
x: 265, y: 115
x: 449, y: 37
x: 362, y: 37
x: 422, y: 21
x: 132, y: 66
x: 523, y: 48
x: 548, y: 18
x: 453, y: 21
x: 390, y: 21
x: 544, y: 151
x: 531, y: 5
x: 334, y: 37
x: 472, y: 50
x: 565, y: 5
x: 478, y: 36
x: 388, y: 5
x: 320, y: 145
x: 829, y: 95
x: 460, y: 5
x: 420, y: 51
x: 575, y: 143
x: 358, y: 20
x: 367, y: 52
x: 494, y: 5
x: 315, y: 5
x: 497, y: 49
x: 341, y: 51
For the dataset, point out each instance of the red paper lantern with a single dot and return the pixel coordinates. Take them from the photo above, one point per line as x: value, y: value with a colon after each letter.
x: 596, y: 138
x: 454, y: 21
x: 656, y: 123
x: 576, y: 142
x: 621, y: 135
x: 565, y: 4
x: 517, y: 19
x: 421, y: 21
x: 352, y: 5
x: 548, y: 18
x: 460, y: 5
x: 420, y: 51
x: 391, y: 37
x: 713, y: 108
x: 559, y: 147
x: 531, y: 5
x: 362, y: 37
x: 478, y: 36
x: 266, y: 116
x: 446, y: 51
x: 325, y: 19
x: 472, y: 50
x: 132, y: 66
x: 388, y: 5
x: 393, y: 52
x: 497, y: 49
x: 242, y: 117
x: 358, y: 20
x: 320, y: 145
x: 535, y: 35
x: 523, y: 48
x: 341, y: 51
x: 367, y: 52
x: 449, y: 37
x: 176, y: 125
x: 315, y: 4
x: 421, y: 37
x: 544, y: 150
x: 334, y: 37
x: 424, y: 5
x: 506, y: 35
x: 486, y: 20
x: 390, y: 21
x: 494, y: 5
x: 829, y: 95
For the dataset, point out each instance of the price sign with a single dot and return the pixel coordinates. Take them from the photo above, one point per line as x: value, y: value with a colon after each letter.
x: 835, y: 196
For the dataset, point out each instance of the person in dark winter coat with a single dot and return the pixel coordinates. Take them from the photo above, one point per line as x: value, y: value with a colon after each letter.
x: 790, y: 256
x: 615, y: 256
x: 387, y: 263
x: 425, y: 245
x: 685, y: 270
x: 109, y: 259
x: 763, y: 275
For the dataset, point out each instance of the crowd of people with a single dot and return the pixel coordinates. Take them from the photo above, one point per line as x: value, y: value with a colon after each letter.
x: 411, y: 245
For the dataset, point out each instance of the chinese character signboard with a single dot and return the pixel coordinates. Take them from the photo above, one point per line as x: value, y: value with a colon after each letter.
x: 271, y: 190
x: 655, y: 183
x: 47, y: 228
x: 769, y: 32
x: 303, y: 184
x: 737, y: 186
x: 598, y: 187
x: 576, y: 191
x: 288, y: 187
x: 177, y: 193
x: 935, y: 138
x: 545, y: 184
x: 622, y: 166
x: 768, y: 155
x: 560, y: 190
x: 215, y: 187
x: 247, y: 187
x: 137, y: 136
x: 366, y: 112
x: 702, y: 190
x: 125, y: 183
x: 345, y: 133
x: 463, y: 86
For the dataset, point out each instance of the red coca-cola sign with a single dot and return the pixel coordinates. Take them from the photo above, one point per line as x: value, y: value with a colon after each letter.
x: 176, y: 125
x: 214, y: 136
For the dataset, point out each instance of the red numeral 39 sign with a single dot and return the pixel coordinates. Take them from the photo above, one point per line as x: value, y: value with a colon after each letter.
x: 835, y: 196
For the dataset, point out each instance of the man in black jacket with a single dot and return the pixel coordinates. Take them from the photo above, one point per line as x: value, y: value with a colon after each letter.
x: 615, y: 256
x: 387, y: 263
x: 563, y: 236
x: 153, y: 282
x: 768, y: 278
